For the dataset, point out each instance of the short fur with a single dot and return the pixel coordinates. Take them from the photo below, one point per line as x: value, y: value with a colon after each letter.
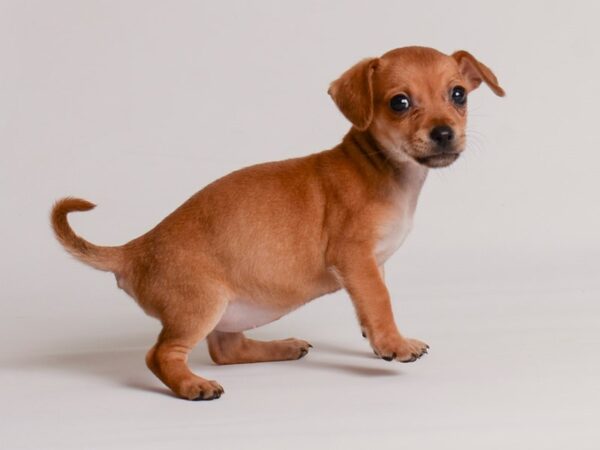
x: 262, y: 241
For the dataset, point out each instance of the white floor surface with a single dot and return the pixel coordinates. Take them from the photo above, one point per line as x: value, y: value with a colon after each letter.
x: 513, y: 365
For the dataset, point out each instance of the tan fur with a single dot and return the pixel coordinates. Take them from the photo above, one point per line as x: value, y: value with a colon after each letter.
x: 264, y: 240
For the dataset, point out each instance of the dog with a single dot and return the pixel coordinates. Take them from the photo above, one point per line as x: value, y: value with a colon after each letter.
x: 262, y: 241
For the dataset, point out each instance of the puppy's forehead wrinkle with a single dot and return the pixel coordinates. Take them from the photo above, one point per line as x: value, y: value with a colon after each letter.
x: 426, y: 76
x: 420, y: 86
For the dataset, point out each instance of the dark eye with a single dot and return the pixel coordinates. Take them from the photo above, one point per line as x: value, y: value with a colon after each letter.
x: 459, y: 95
x: 400, y: 103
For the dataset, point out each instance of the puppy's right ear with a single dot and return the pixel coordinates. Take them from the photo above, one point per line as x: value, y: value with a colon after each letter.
x: 475, y: 72
x: 353, y: 93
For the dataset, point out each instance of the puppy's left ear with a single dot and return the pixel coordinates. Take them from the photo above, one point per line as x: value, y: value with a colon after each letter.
x: 475, y: 72
x: 353, y: 93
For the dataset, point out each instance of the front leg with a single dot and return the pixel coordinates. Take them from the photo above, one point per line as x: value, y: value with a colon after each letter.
x: 363, y: 280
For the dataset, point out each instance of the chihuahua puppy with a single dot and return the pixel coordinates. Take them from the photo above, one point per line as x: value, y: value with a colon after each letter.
x: 263, y: 241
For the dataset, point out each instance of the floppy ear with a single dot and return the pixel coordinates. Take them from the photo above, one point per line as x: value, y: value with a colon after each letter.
x: 475, y: 72
x: 353, y: 93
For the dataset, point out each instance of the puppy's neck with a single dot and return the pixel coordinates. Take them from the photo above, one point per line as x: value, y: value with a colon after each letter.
x: 366, y: 149
x: 366, y: 152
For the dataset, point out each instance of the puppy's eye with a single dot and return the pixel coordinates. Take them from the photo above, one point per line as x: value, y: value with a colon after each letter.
x: 459, y: 95
x: 400, y: 103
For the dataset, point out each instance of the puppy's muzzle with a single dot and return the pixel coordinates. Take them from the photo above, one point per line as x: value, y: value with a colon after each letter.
x: 443, y: 147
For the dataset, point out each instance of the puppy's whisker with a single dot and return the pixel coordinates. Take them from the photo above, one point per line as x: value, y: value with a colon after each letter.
x: 475, y: 139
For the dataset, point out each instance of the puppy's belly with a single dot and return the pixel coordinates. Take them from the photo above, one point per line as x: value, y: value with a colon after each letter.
x: 242, y: 315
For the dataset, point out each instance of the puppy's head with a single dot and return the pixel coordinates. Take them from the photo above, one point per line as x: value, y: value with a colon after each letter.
x: 413, y: 101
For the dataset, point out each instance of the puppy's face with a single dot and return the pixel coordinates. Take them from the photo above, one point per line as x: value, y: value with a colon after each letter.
x: 413, y: 101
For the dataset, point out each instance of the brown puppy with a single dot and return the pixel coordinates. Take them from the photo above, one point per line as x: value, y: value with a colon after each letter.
x: 260, y: 242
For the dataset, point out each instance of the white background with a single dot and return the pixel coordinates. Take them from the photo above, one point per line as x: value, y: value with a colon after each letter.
x: 135, y: 105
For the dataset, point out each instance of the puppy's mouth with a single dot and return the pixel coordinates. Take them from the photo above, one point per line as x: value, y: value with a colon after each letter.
x: 440, y: 160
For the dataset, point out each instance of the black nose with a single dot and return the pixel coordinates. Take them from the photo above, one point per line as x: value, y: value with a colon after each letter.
x: 442, y: 135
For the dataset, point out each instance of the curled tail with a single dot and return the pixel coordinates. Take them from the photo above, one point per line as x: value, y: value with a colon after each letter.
x: 102, y: 258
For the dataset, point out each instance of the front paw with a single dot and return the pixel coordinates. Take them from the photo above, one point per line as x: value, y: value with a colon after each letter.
x: 400, y: 349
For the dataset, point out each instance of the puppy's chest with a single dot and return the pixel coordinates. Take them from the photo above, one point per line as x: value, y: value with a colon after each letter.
x: 391, y: 233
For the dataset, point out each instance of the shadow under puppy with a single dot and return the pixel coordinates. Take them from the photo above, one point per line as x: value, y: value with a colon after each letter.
x: 262, y: 241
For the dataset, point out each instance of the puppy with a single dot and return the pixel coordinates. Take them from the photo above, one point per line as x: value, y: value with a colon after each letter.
x: 261, y: 242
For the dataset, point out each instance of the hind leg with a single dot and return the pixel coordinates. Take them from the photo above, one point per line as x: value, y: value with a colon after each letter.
x: 181, y: 332
x: 235, y: 348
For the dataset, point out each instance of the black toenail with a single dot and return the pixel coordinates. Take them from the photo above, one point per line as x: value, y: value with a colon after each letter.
x: 364, y: 334
x: 387, y: 358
